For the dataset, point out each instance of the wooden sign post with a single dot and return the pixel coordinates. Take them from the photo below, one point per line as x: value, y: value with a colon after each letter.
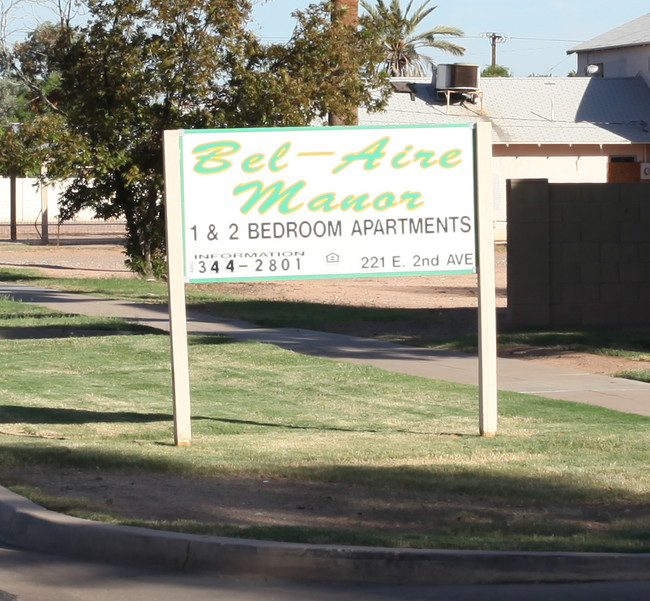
x: 487, y: 333
x: 176, y: 285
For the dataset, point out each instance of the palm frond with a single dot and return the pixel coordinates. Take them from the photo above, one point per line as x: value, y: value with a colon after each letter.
x: 399, y: 32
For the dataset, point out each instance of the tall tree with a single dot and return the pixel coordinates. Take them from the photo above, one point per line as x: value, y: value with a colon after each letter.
x: 139, y: 67
x: 28, y: 91
x: 328, y: 65
x: 398, y: 30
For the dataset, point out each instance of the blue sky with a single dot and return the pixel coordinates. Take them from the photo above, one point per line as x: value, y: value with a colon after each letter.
x: 538, y: 32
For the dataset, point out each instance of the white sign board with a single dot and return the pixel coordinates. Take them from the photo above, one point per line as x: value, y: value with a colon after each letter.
x: 327, y: 202
x: 297, y: 203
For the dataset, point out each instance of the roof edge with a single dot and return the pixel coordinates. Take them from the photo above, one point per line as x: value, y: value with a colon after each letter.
x: 576, y: 50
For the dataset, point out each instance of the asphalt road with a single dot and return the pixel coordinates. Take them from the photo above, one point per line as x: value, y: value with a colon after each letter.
x: 26, y: 576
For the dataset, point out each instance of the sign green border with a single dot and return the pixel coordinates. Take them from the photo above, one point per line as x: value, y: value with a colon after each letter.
x: 183, y: 133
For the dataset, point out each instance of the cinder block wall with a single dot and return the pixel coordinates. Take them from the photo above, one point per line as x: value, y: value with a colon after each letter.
x: 578, y: 254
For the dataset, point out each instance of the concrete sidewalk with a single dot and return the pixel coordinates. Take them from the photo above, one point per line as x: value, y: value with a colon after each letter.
x: 514, y: 375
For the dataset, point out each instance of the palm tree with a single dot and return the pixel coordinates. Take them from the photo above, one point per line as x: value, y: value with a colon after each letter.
x: 398, y: 31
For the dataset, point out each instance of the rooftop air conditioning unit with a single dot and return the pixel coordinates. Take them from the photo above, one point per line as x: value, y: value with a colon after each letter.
x: 645, y: 170
x: 459, y: 76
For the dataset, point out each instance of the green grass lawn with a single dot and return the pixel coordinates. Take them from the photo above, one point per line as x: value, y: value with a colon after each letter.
x: 643, y: 375
x: 559, y: 475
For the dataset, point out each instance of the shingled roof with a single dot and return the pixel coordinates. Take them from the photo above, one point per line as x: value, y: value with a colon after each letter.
x: 634, y: 33
x: 533, y: 110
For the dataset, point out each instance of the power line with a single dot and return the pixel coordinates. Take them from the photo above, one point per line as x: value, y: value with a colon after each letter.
x: 476, y: 37
x: 466, y: 37
x: 546, y: 40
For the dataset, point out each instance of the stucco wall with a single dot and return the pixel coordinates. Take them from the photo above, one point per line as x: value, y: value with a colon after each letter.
x: 578, y: 254
x: 29, y: 221
x: 578, y: 163
x: 618, y: 62
x: 28, y: 202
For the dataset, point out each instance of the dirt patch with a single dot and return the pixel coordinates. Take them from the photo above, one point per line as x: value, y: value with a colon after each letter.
x: 585, y: 362
x: 86, y: 261
x: 273, y: 501
x: 264, y: 501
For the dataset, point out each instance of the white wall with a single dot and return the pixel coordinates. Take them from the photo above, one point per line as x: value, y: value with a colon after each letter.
x: 557, y: 164
x: 28, y: 202
x: 619, y: 62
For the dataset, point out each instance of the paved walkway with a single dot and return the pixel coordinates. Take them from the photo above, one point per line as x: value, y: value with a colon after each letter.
x: 514, y: 375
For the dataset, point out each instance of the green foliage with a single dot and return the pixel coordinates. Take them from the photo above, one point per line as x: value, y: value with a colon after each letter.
x: 397, y: 30
x: 31, y: 77
x: 496, y: 71
x: 326, y: 67
x: 14, y: 158
x: 30, y: 93
x: 140, y: 67
x: 643, y: 375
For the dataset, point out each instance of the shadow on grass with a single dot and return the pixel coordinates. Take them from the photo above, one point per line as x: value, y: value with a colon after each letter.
x: 43, y: 415
x: 321, y: 428
x: 437, y: 505
x: 274, y: 313
x: 211, y: 340
x: 442, y: 504
x: 8, y: 275
x: 415, y: 326
x: 75, y: 331
x: 488, y: 485
x: 10, y: 414
x: 633, y: 339
x: 36, y: 316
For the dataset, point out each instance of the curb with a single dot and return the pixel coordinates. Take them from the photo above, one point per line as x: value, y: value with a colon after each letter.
x: 25, y: 525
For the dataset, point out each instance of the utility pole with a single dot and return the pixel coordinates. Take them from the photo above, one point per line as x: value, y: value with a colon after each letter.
x: 495, y: 38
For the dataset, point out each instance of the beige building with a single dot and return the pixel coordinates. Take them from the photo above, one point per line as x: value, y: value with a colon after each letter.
x: 563, y: 129
x: 588, y: 129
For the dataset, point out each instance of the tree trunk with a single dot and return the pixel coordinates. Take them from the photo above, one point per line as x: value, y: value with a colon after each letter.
x: 351, y: 11
x: 350, y: 16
